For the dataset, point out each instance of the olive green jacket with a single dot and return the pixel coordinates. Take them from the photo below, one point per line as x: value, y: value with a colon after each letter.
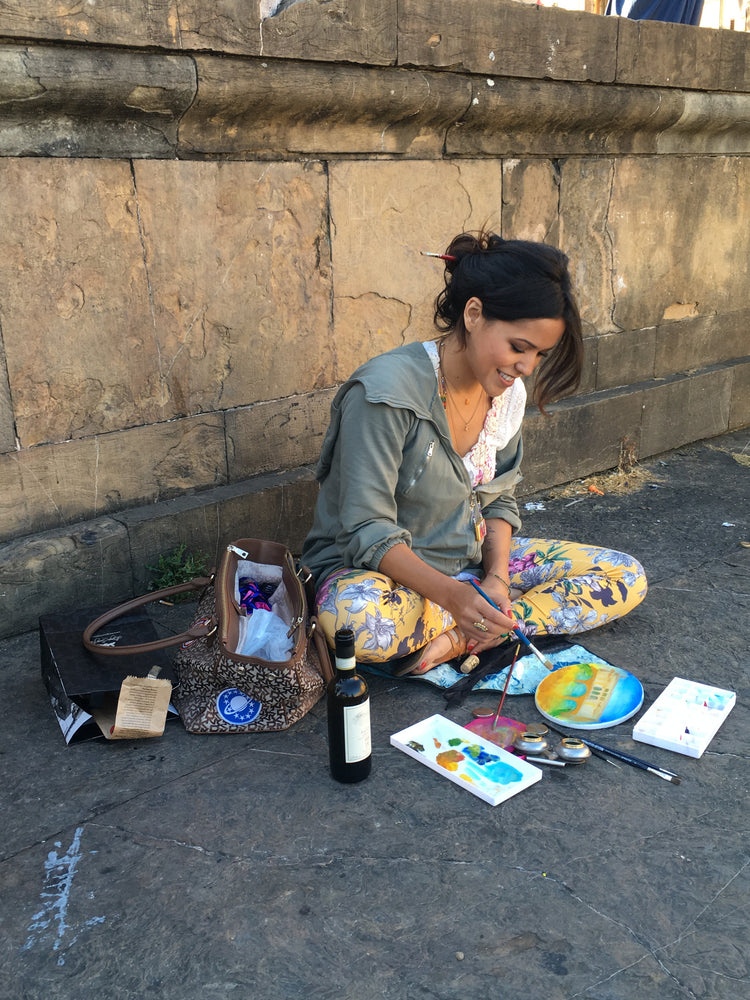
x: 389, y: 473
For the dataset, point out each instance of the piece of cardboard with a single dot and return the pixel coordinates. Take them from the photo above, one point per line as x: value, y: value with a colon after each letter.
x: 81, y: 684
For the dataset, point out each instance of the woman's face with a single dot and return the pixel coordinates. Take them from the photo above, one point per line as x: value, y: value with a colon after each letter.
x: 499, y: 351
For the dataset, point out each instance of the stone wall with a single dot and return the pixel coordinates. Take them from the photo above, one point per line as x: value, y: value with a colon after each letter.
x: 210, y: 217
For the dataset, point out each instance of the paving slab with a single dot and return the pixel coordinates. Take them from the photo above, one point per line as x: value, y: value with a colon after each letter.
x: 225, y: 867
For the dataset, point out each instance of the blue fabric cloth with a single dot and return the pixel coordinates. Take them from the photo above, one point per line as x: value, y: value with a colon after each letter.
x: 676, y: 11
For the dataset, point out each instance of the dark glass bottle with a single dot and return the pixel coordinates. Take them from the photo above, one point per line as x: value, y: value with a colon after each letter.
x: 349, y: 742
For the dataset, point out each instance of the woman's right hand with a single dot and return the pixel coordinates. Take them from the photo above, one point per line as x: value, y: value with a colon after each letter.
x: 470, y: 609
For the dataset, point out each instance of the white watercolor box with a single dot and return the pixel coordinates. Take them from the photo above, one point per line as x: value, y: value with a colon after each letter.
x: 685, y: 717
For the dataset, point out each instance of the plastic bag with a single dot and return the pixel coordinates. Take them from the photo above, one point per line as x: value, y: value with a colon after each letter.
x: 264, y: 634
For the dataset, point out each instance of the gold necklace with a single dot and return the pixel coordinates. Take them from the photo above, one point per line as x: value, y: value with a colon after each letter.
x: 447, y: 397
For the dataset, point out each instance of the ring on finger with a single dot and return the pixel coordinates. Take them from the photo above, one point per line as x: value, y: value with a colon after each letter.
x: 481, y: 626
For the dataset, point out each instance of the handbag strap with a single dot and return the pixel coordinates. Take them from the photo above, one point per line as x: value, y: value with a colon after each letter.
x: 321, y: 647
x: 196, y: 631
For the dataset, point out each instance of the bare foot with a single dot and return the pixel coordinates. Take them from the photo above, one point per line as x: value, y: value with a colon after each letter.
x: 444, y: 647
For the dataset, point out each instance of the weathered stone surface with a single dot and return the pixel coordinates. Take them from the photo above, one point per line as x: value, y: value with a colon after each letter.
x: 511, y: 39
x: 283, y: 434
x: 695, y: 342
x: 739, y: 410
x: 239, y: 276
x: 382, y: 215
x: 585, y: 186
x: 331, y: 30
x: 83, y: 565
x: 7, y: 427
x: 579, y: 437
x: 138, y: 22
x: 734, y: 61
x: 172, y: 289
x: 495, y: 36
x: 681, y: 409
x: 512, y: 117
x: 625, y: 357
x: 77, y: 274
x: 278, y: 507
x: 668, y: 55
x: 709, y: 123
x: 69, y: 101
x: 362, y: 31
x: 531, y: 198
x: 659, y: 215
x: 590, y: 365
x: 73, y: 101
x: 106, y: 560
x: 257, y: 107
x: 54, y: 485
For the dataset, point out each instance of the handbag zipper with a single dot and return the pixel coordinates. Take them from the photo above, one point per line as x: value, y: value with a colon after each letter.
x: 225, y: 593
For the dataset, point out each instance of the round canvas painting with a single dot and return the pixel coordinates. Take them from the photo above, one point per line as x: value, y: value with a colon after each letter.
x: 589, y: 696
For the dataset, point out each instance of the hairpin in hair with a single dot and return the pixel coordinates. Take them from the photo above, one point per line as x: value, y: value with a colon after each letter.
x: 440, y: 256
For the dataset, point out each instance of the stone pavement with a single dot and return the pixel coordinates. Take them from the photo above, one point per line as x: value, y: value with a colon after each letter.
x: 219, y: 868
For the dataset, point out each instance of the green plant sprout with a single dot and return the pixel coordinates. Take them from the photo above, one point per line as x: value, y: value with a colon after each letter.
x: 177, y: 566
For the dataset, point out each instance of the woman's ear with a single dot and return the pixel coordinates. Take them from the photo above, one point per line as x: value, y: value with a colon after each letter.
x: 472, y: 312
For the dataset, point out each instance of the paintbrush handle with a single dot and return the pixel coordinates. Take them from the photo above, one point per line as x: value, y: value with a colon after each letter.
x: 516, y: 631
x: 628, y: 758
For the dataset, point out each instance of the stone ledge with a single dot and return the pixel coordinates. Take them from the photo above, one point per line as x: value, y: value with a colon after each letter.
x: 264, y: 108
x: 553, y: 118
x: 485, y: 37
x: 582, y: 435
x: 104, y: 561
x: 72, y: 101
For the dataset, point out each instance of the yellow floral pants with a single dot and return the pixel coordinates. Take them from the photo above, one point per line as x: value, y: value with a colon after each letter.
x: 565, y: 588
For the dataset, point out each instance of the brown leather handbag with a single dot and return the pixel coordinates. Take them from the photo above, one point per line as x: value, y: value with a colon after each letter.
x: 221, y: 690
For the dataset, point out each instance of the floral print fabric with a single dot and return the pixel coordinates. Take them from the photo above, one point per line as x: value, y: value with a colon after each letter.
x: 565, y: 588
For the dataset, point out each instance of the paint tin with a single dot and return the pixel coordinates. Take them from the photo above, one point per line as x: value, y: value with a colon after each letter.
x: 530, y: 743
x: 537, y: 728
x: 483, y: 712
x: 572, y: 751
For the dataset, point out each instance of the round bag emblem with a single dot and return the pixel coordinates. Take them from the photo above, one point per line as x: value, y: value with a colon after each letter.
x: 236, y: 708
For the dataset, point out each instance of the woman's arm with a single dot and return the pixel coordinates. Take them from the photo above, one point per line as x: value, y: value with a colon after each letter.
x: 495, y: 559
x: 461, y: 599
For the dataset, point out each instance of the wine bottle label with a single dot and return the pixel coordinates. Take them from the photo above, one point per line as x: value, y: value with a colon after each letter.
x: 357, y: 742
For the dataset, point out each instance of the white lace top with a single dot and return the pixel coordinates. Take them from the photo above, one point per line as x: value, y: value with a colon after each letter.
x: 503, y: 419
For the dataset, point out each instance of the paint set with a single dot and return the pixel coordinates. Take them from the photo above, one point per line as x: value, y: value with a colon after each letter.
x: 494, y: 756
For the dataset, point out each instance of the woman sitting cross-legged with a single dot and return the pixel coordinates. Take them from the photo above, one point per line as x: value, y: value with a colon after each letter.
x: 419, y: 465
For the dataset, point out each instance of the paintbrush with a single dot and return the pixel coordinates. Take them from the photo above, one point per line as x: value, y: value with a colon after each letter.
x: 505, y: 688
x: 516, y: 631
x: 626, y: 758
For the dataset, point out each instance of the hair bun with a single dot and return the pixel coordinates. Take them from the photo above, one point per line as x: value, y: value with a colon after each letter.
x: 471, y: 244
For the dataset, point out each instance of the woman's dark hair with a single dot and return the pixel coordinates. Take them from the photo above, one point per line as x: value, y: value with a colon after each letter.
x: 514, y: 280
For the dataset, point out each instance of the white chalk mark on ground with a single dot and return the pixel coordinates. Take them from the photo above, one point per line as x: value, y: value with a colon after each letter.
x: 55, y: 896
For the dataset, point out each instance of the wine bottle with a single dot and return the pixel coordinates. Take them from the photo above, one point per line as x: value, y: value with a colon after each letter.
x: 349, y: 741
